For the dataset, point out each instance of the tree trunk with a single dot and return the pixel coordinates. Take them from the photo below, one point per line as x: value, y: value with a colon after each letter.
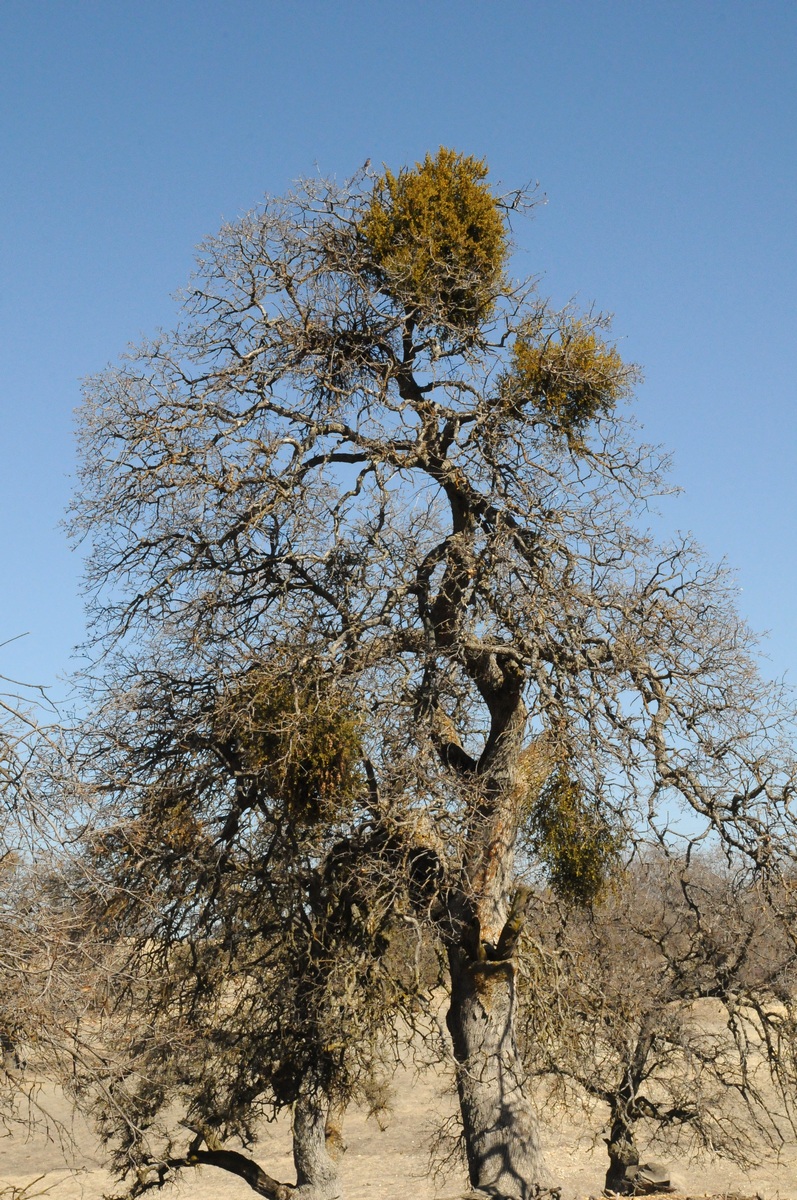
x: 499, y: 1125
x: 316, y: 1172
x: 622, y: 1155
x: 500, y: 1128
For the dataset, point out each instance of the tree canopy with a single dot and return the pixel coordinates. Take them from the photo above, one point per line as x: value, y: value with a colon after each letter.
x: 372, y: 585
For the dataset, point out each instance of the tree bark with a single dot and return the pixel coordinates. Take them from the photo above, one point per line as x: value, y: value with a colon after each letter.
x: 625, y: 1108
x: 622, y: 1155
x: 499, y: 1125
x: 316, y: 1172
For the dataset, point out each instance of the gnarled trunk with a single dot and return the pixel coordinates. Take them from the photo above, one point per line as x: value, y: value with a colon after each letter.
x: 623, y: 1154
x: 499, y: 1125
x: 623, y: 1158
x: 316, y: 1171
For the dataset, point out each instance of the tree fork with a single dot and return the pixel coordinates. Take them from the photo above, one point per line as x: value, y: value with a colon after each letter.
x: 316, y: 1172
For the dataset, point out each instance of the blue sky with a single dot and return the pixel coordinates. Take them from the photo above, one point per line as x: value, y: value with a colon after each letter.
x: 664, y: 136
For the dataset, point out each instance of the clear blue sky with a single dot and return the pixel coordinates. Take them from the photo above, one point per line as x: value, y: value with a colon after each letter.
x: 662, y: 133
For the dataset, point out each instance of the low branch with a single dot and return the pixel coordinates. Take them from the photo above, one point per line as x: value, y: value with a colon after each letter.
x: 245, y: 1168
x: 214, y: 1156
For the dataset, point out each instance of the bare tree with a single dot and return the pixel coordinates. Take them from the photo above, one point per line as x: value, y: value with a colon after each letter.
x: 667, y: 1007
x: 33, y: 926
x: 18, y: 730
x: 366, y: 452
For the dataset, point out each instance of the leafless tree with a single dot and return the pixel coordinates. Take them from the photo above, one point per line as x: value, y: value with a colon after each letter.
x: 33, y: 927
x: 367, y: 455
x: 668, y: 1007
x: 18, y: 730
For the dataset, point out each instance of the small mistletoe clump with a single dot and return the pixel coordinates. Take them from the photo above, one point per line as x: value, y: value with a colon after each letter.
x: 301, y: 740
x: 569, y: 374
x: 576, y: 845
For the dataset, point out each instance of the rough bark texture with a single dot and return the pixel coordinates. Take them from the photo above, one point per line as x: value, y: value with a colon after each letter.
x: 500, y: 1128
x: 316, y: 1172
x: 622, y: 1155
x: 499, y: 1125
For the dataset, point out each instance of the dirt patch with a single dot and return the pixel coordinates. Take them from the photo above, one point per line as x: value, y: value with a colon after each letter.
x: 389, y: 1164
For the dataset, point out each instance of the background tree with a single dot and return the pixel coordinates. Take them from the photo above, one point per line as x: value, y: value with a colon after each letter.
x: 35, y: 924
x: 366, y: 444
x: 667, y: 1007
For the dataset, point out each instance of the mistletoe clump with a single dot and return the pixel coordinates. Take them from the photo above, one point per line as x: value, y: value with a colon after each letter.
x: 299, y: 739
x: 567, y: 372
x: 574, y: 841
x: 437, y: 239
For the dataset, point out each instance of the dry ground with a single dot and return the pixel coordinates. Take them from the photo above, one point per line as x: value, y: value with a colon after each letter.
x: 379, y: 1165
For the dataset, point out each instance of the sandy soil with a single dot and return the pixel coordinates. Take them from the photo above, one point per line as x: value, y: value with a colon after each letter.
x: 379, y: 1165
